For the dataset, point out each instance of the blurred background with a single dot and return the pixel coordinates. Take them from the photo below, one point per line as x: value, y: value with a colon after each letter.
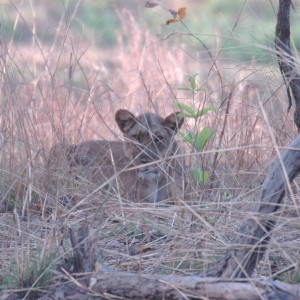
x: 242, y: 29
x: 123, y: 53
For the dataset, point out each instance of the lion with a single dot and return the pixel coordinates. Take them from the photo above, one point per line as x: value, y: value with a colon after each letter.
x: 147, y: 166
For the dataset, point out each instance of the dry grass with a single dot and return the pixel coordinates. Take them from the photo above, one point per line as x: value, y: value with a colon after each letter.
x: 66, y: 92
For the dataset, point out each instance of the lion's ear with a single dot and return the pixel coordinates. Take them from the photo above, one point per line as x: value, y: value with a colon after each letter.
x: 173, y: 121
x: 125, y: 120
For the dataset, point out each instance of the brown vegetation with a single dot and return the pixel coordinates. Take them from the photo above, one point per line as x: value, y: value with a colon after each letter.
x: 67, y: 93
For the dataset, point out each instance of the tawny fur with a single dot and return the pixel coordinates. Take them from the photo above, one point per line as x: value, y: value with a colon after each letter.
x: 149, y: 142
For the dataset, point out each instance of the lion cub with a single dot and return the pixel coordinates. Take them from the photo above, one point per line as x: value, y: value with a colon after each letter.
x: 142, y: 162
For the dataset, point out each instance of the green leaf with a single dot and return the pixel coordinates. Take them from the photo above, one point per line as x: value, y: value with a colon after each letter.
x: 205, y: 110
x: 184, y: 89
x: 203, y: 137
x: 192, y: 81
x: 188, y: 137
x: 195, y: 91
x: 201, y: 176
x: 200, y: 90
x: 190, y: 110
x: 184, y: 115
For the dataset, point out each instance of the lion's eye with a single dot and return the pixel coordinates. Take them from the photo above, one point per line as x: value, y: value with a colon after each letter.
x: 158, y: 138
x: 136, y: 137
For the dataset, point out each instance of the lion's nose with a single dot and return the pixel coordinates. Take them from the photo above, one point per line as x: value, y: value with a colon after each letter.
x: 144, y: 160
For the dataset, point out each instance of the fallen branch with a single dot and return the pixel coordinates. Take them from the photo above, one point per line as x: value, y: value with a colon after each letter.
x: 123, y: 285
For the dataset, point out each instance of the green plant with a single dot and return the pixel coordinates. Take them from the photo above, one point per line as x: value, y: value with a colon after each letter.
x: 30, y: 270
x: 197, y: 138
x: 35, y: 271
x: 296, y: 278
